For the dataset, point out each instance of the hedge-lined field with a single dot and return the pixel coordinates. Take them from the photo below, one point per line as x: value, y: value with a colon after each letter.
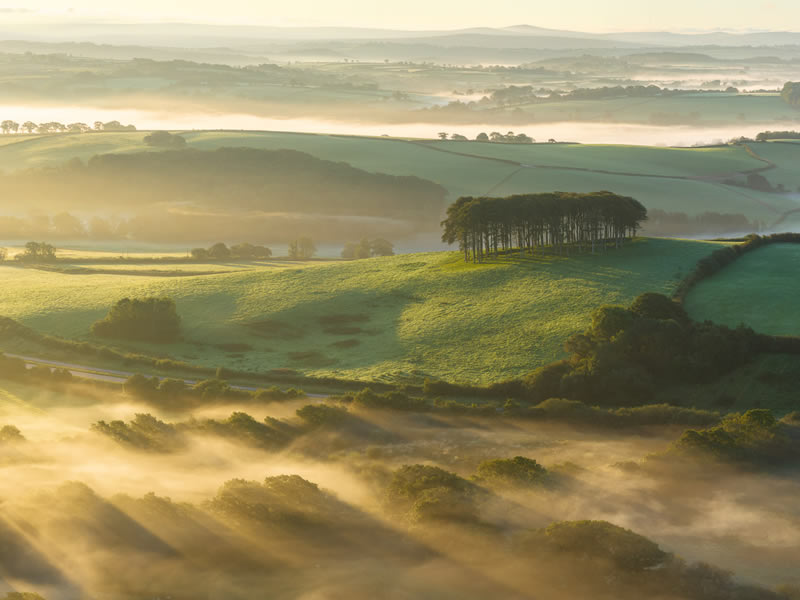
x: 398, y: 318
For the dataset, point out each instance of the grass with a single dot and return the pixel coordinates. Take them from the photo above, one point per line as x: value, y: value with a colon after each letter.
x: 396, y: 319
x: 484, y: 172
x: 637, y: 159
x: 760, y: 289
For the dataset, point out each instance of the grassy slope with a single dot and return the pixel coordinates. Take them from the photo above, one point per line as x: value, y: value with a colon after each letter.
x: 786, y: 157
x: 760, y: 289
x: 473, y: 175
x: 427, y: 314
x: 638, y: 159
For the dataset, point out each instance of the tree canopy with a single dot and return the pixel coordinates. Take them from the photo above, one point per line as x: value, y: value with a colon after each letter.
x: 484, y: 226
x: 141, y: 319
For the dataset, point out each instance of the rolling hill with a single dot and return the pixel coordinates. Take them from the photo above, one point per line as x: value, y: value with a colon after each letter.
x: 398, y: 319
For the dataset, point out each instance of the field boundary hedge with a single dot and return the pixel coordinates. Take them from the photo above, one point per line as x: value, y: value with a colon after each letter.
x: 721, y: 258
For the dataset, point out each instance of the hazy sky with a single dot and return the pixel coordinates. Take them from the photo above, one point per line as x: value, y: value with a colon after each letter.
x: 587, y: 15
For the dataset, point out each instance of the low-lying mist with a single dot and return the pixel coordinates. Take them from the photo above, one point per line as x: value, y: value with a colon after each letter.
x: 92, y: 512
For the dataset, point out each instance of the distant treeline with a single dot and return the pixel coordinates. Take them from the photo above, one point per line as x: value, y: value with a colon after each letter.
x: 765, y: 136
x: 10, y: 126
x: 233, y: 179
x: 484, y: 226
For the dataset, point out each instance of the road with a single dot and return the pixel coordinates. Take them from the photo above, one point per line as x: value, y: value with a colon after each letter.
x: 110, y: 375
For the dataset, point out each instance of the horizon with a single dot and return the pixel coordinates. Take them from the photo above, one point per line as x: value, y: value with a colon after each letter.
x: 681, y: 16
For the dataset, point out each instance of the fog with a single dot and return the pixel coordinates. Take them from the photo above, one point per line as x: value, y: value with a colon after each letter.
x: 77, y: 502
x: 581, y: 132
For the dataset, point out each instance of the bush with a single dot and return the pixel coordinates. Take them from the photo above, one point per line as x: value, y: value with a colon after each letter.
x: 165, y: 139
x: 147, y: 319
x: 517, y: 471
x: 320, y: 415
x: 602, y: 540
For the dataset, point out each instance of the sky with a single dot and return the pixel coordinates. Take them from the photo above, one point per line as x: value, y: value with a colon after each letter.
x: 583, y: 15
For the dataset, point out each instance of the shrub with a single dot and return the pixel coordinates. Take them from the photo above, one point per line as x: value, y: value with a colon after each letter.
x: 146, y: 319
x: 517, y: 471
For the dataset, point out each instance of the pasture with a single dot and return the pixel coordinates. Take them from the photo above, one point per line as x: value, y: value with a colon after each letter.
x: 760, y: 289
x: 397, y: 319
x: 669, y: 179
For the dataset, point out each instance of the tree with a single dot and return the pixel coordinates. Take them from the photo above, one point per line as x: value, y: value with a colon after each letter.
x: 78, y: 128
x: 147, y: 319
x: 517, y: 471
x: 367, y: 248
x: 561, y: 221
x: 199, y: 253
x: 3, y: 254
x: 98, y: 126
x: 302, y: 248
x: 101, y: 229
x: 67, y: 226
x: 457, y: 137
x: 29, y: 126
x: 442, y: 135
x: 599, y: 540
x: 219, y: 251
x: 164, y: 139
x: 38, y: 252
x: 381, y: 247
x: 357, y: 250
x: 482, y: 137
x: 9, y: 126
x: 116, y: 126
x: 249, y: 251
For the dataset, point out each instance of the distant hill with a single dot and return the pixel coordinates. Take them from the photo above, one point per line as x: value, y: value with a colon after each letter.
x: 240, y: 36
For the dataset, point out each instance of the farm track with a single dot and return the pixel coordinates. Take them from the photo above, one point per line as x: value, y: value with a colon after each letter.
x: 110, y: 375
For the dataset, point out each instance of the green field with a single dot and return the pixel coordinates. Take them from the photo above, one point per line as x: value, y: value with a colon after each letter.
x: 669, y: 179
x: 399, y: 318
x: 760, y: 289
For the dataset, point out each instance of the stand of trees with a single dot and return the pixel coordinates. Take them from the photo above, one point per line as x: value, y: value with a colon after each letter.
x: 165, y: 139
x: 484, y: 226
x: 146, y: 319
x: 220, y: 251
x: 38, y: 252
x: 302, y: 248
x: 368, y: 248
x: 9, y: 126
x: 765, y: 136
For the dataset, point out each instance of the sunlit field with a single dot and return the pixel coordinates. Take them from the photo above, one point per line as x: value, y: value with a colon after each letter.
x: 400, y: 318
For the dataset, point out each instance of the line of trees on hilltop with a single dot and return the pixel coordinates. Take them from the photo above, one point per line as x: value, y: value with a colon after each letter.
x: 560, y: 220
x: 8, y: 126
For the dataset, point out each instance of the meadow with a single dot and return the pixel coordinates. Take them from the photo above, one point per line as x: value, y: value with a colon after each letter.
x: 669, y: 179
x: 760, y: 289
x: 394, y: 319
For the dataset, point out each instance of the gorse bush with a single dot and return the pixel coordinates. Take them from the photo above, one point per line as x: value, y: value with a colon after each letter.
x: 145, y: 319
